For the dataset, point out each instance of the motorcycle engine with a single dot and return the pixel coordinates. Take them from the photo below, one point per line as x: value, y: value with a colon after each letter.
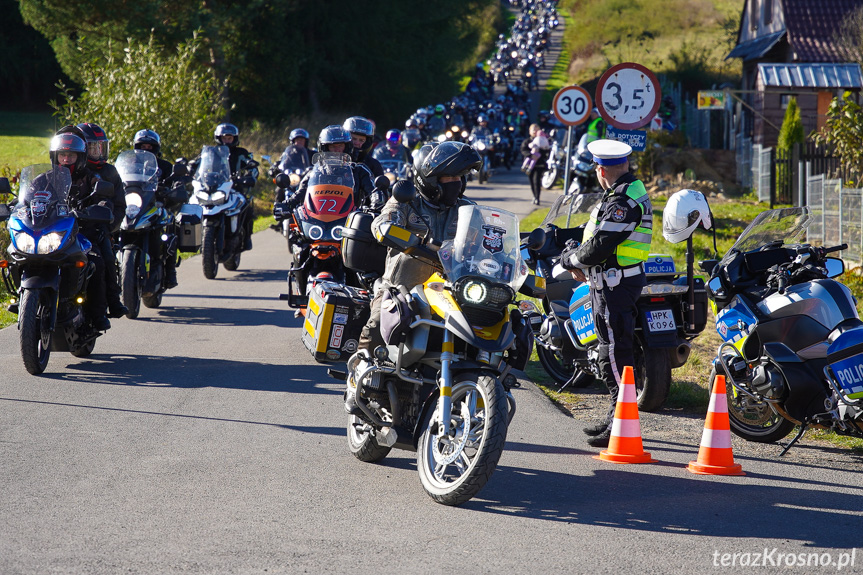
x: 550, y: 332
x: 768, y: 381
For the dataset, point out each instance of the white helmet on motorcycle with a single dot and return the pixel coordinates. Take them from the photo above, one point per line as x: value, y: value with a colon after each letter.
x: 683, y: 212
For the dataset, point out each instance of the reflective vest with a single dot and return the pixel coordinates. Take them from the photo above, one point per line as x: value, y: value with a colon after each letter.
x: 593, y: 130
x: 635, y: 248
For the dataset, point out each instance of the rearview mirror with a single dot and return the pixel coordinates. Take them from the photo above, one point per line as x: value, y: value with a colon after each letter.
x: 404, y: 191
x: 536, y: 239
x: 5, y: 188
x: 180, y: 170
x: 382, y: 183
x: 835, y: 267
x: 283, y: 180
x: 5, y: 212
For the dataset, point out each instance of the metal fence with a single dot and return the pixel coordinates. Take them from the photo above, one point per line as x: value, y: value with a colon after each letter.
x: 837, y: 214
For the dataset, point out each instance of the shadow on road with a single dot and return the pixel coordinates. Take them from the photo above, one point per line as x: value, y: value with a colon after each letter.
x: 215, y: 316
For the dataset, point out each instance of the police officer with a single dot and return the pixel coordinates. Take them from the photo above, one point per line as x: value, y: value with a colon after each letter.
x: 614, y: 247
x: 595, y: 127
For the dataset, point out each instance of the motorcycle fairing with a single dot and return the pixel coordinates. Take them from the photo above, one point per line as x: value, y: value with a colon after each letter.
x: 845, y: 359
x: 659, y: 264
x: 329, y: 202
x: 737, y: 314
x: 581, y: 314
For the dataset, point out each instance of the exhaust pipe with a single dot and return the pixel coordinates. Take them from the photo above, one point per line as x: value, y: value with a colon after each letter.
x: 680, y: 354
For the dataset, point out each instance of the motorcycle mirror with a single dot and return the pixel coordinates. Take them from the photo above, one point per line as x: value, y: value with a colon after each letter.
x: 708, y: 265
x: 5, y: 212
x: 5, y: 188
x: 180, y: 170
x: 97, y: 214
x: 404, y: 191
x: 835, y: 267
x: 283, y: 180
x: 382, y: 183
x: 536, y: 239
x: 104, y: 189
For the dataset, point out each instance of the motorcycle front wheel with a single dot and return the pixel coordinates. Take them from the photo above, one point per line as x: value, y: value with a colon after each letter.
x: 34, y: 317
x: 209, y: 257
x: 363, y: 445
x: 454, y: 469
x: 652, y: 377
x: 129, y: 284
x: 752, y: 421
x: 549, y: 178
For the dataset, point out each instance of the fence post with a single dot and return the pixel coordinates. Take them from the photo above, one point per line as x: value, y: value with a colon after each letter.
x: 794, y: 169
x: 772, y: 177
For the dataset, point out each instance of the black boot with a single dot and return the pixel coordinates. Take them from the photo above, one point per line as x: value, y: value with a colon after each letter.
x: 600, y: 440
x: 597, y: 429
x: 170, y: 277
x: 117, y: 309
x: 101, y: 323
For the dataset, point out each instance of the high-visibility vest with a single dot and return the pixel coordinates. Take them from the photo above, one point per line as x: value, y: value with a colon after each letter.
x: 635, y: 248
x: 593, y: 130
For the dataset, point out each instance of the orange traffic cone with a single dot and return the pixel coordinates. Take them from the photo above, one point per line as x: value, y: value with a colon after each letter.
x: 715, y: 456
x: 625, y: 445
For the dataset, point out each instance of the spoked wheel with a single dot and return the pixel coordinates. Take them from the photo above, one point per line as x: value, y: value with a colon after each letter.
x: 652, y: 376
x: 751, y: 420
x: 363, y: 444
x: 131, y: 287
x: 209, y: 257
x: 549, y: 178
x: 454, y: 468
x: 34, y: 319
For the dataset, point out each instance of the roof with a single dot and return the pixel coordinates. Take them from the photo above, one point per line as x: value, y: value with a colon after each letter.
x: 813, y: 25
x: 756, y: 48
x: 843, y: 76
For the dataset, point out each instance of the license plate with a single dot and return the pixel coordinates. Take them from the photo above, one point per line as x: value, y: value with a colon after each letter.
x: 660, y: 320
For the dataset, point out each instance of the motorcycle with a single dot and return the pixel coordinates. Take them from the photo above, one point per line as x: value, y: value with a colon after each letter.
x: 792, y: 338
x: 288, y: 174
x: 223, y: 206
x: 147, y: 235
x: 441, y: 386
x: 49, y: 269
x: 556, y: 159
x: 484, y: 145
x: 668, y: 319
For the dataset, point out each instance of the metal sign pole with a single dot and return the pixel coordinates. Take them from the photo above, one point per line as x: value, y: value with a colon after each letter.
x: 566, y: 175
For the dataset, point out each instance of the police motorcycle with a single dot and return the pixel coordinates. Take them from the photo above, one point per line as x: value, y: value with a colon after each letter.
x: 48, y: 266
x: 566, y: 342
x: 223, y: 207
x: 792, y: 338
x: 440, y: 387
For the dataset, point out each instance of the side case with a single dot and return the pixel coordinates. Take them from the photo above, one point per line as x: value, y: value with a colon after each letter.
x: 189, y: 229
x: 335, y: 316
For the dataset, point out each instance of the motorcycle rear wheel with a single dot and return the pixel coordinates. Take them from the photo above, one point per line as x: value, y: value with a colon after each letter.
x: 364, y: 446
x: 453, y: 470
x: 131, y: 287
x: 758, y: 424
x: 550, y: 177
x: 34, y: 334
x: 209, y: 257
x: 553, y: 363
x: 653, y: 376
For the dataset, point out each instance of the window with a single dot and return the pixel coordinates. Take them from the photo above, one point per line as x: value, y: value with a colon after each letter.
x: 784, y: 99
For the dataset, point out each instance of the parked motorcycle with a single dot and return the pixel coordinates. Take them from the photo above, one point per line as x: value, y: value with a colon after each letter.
x: 440, y: 386
x: 224, y: 209
x: 565, y: 336
x: 792, y: 338
x: 48, y: 266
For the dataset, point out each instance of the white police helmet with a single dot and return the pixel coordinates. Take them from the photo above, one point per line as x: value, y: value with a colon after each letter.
x: 683, y: 212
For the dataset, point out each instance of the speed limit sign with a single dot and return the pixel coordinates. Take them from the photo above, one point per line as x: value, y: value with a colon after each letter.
x: 572, y: 105
x: 628, y: 96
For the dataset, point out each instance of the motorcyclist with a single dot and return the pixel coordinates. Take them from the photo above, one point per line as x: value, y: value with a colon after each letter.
x: 296, y: 154
x: 362, y: 133
x: 440, y: 178
x: 70, y: 150
x: 480, y: 130
x: 392, y: 149
x: 436, y: 125
x: 228, y: 135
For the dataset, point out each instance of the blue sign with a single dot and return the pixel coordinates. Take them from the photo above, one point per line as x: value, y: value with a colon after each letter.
x: 849, y: 373
x: 635, y: 138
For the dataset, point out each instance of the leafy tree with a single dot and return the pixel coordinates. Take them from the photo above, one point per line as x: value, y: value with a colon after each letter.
x: 142, y: 89
x: 843, y: 131
x: 790, y: 133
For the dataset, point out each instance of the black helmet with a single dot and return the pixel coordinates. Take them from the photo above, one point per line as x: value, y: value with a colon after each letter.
x: 97, y: 142
x: 334, y: 134
x: 148, y: 137
x: 68, y: 142
x: 364, y: 126
x: 445, y: 159
x: 226, y: 130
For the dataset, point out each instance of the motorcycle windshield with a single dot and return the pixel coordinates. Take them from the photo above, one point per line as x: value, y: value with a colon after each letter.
x: 214, y: 169
x: 295, y: 160
x: 787, y: 225
x: 571, y: 210
x: 42, y: 196
x: 486, y: 244
x: 139, y: 168
x: 330, y: 192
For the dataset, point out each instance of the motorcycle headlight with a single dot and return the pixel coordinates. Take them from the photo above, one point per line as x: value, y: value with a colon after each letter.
x: 24, y: 242
x: 464, y: 134
x: 50, y: 242
x: 295, y: 180
x: 336, y: 233
x: 202, y: 196
x: 474, y: 292
x: 480, y: 146
x: 316, y: 232
x: 218, y: 197
x: 442, y: 138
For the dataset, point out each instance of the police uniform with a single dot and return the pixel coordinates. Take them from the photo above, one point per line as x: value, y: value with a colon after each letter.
x: 615, y: 244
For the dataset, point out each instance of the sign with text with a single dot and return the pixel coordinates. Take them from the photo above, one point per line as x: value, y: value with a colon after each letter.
x: 711, y: 100
x: 628, y: 96
x: 572, y: 105
x: 637, y: 139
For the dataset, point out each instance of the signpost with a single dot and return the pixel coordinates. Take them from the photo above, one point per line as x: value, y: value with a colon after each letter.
x: 572, y: 106
x: 627, y: 97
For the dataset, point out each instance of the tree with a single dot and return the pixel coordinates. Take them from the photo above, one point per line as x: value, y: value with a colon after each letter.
x: 790, y: 133
x: 843, y: 131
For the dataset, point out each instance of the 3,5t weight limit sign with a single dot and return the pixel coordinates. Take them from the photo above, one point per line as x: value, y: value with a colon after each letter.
x: 572, y: 105
x: 628, y: 96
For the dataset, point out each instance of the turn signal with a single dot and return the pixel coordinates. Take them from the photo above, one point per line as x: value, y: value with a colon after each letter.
x: 79, y: 300
x: 80, y: 264
x: 4, y: 264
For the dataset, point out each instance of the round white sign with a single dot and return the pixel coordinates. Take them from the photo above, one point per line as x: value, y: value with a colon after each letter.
x: 628, y: 96
x: 572, y: 105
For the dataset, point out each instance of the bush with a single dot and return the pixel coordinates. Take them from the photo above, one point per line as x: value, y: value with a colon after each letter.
x: 173, y: 95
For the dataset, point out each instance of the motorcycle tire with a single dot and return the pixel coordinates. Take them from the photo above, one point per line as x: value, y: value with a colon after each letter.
x: 152, y: 301
x: 480, y: 415
x: 209, y: 257
x: 552, y: 363
x: 34, y: 333
x: 364, y: 446
x: 129, y: 284
x: 549, y: 178
x: 232, y: 263
x: 653, y: 376
x: 758, y: 424
x: 85, y: 350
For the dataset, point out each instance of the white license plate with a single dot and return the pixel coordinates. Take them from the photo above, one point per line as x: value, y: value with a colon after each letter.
x: 660, y: 320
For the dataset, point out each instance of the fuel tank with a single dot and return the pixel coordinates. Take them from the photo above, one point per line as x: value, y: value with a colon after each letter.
x: 826, y: 301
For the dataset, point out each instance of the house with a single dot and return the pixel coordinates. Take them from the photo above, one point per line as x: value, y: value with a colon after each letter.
x: 791, y: 48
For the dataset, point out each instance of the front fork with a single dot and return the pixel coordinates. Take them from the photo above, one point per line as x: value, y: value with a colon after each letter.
x: 445, y: 383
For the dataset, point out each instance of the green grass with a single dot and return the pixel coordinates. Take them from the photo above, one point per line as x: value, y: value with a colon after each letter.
x: 24, y: 139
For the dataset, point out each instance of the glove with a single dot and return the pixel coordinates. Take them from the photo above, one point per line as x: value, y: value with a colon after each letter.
x: 568, y: 254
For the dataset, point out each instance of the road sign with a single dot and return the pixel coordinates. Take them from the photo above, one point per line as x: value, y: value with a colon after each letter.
x: 572, y: 105
x: 628, y: 96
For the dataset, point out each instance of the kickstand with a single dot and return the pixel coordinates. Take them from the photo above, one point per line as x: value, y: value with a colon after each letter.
x: 793, y: 441
x: 576, y: 377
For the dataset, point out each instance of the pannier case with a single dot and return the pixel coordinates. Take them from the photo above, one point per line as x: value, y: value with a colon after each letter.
x: 189, y: 227
x: 335, y: 316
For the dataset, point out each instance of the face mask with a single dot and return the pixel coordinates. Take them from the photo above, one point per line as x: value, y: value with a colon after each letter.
x: 450, y: 194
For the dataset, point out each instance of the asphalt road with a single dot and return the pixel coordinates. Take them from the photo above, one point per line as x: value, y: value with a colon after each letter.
x: 202, y: 438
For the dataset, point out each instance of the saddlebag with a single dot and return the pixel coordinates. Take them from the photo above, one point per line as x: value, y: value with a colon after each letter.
x: 361, y: 252
x: 189, y: 228
x: 335, y: 316
x: 396, y: 315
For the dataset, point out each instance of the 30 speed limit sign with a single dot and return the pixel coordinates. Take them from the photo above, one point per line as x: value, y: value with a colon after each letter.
x: 572, y: 105
x: 628, y: 96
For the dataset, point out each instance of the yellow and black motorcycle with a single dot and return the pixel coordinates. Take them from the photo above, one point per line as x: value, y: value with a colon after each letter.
x: 441, y: 385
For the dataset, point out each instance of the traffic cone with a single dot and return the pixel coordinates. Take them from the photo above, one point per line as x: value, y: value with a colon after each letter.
x: 715, y: 456
x: 625, y: 445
